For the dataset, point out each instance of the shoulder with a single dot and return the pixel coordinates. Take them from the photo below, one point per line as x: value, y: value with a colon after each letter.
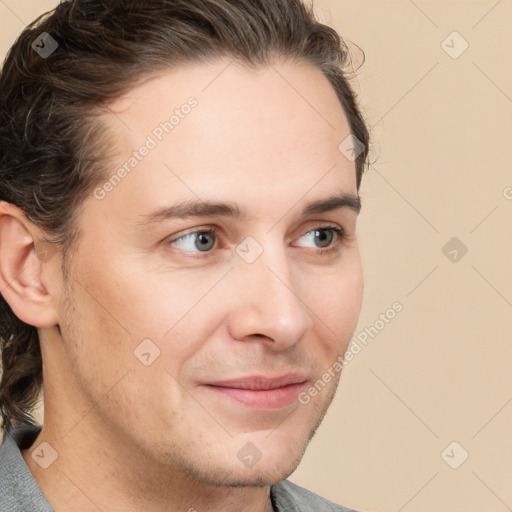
x: 289, y: 497
x: 18, y: 489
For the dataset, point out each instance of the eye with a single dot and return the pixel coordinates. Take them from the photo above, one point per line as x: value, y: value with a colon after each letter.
x: 202, y: 241
x: 322, y: 237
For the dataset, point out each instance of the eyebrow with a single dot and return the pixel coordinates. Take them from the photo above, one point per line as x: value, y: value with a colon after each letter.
x: 198, y: 208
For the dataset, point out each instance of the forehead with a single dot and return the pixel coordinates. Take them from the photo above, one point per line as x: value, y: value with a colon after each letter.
x: 271, y: 131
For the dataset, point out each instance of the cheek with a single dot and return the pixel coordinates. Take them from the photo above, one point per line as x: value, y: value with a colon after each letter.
x: 177, y: 311
x: 146, y: 302
x: 335, y: 302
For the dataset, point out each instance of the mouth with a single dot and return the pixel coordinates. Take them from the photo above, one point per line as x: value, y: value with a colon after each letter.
x: 260, y: 393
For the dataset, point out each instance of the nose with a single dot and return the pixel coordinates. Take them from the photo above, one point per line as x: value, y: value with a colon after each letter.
x: 268, y: 303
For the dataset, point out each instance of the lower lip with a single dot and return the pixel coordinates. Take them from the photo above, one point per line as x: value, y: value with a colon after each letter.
x: 267, y: 399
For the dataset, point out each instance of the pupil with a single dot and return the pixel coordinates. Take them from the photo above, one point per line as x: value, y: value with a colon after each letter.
x: 204, y: 242
x: 323, y: 238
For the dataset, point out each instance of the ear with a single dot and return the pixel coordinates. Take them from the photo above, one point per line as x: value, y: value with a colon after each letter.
x: 20, y: 269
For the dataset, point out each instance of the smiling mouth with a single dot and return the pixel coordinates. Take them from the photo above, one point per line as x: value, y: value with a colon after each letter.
x: 260, y: 399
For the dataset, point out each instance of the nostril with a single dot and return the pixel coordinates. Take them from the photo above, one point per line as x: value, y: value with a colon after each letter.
x: 261, y: 336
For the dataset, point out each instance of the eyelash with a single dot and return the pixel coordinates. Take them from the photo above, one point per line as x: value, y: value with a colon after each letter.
x: 339, y: 238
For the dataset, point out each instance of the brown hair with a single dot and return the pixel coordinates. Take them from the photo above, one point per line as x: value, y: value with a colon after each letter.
x: 49, y: 106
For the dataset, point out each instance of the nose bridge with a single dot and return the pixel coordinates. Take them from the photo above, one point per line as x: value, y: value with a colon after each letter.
x: 269, y: 304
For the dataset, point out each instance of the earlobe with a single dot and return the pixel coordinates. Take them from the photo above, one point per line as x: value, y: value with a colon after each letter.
x: 20, y: 270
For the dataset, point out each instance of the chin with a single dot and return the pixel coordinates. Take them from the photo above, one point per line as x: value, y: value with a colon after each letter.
x: 260, y: 475
x: 243, y: 464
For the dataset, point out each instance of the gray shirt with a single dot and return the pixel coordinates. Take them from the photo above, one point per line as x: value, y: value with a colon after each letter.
x: 19, y: 491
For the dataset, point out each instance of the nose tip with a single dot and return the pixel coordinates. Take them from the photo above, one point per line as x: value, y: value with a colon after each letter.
x: 269, y: 307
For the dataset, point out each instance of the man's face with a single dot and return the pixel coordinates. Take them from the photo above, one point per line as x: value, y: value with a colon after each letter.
x: 158, y: 307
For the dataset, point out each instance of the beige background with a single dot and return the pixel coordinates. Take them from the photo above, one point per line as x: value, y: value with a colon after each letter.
x: 440, y: 370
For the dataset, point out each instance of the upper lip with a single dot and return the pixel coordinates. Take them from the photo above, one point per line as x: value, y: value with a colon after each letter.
x: 256, y: 382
